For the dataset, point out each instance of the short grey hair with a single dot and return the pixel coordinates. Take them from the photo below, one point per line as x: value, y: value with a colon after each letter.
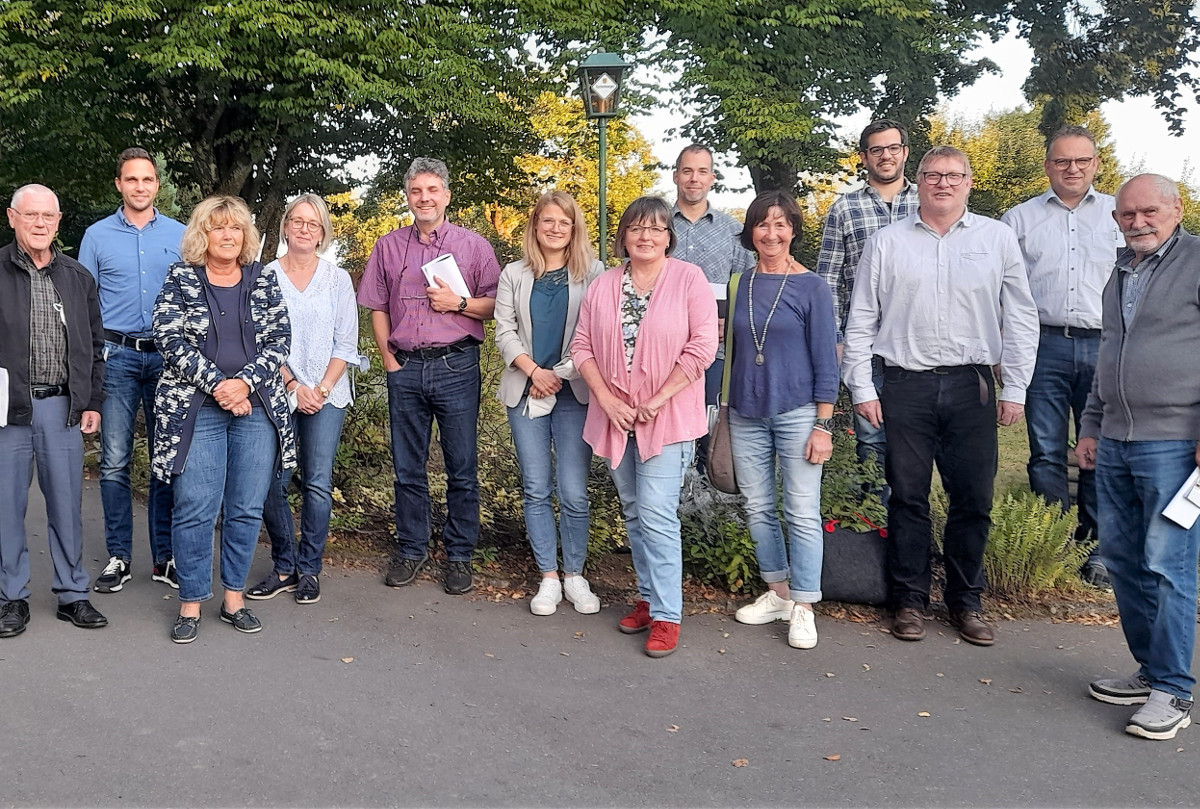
x: 427, y: 165
x: 944, y: 151
x: 322, y: 210
x: 20, y: 193
x: 1165, y: 186
x: 1071, y: 132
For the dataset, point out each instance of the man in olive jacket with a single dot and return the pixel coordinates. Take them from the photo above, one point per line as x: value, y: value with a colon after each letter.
x: 52, y: 355
x: 1139, y: 431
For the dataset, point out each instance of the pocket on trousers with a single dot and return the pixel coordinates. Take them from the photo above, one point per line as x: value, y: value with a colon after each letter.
x: 461, y: 361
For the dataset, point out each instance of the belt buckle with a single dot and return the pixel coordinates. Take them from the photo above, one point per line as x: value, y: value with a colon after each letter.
x: 941, y: 371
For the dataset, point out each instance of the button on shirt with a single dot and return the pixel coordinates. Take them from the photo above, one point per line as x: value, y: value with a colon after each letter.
x: 711, y: 243
x: 394, y: 283
x: 923, y: 301
x: 1069, y: 254
x: 47, y: 324
x: 852, y: 219
x: 1134, y: 279
x: 130, y: 265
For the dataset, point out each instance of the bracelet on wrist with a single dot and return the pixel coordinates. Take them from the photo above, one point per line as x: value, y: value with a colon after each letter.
x: 288, y: 385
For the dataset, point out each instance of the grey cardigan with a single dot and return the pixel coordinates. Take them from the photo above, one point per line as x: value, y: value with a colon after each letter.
x: 513, y: 327
x: 1147, y: 382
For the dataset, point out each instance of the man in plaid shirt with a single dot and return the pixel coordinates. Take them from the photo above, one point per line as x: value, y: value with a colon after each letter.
x: 886, y: 198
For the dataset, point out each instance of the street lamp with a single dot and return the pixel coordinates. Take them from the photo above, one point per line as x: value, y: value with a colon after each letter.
x: 600, y: 78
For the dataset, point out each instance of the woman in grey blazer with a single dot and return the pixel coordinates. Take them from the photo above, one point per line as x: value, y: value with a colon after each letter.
x: 537, y: 305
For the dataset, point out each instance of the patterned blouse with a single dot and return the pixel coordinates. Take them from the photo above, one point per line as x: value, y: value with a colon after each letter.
x: 633, y: 310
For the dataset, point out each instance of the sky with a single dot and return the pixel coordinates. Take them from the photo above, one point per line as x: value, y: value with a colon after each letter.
x: 1139, y: 132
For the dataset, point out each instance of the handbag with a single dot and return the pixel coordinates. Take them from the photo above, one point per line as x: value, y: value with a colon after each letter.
x: 719, y: 466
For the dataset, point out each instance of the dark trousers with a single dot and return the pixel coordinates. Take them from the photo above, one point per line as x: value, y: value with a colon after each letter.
x: 941, y: 417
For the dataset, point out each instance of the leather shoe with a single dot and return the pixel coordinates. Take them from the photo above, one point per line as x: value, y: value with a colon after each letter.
x: 972, y: 627
x: 908, y: 624
x: 81, y: 613
x: 14, y: 617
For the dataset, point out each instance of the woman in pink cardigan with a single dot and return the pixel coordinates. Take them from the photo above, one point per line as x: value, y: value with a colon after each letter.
x: 646, y: 333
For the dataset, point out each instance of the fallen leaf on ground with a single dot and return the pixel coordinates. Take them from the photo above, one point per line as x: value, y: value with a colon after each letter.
x: 850, y: 718
x: 565, y: 654
x: 830, y: 674
x: 347, y: 659
x: 1016, y: 690
x: 720, y: 651
x: 740, y: 762
x: 923, y: 713
x: 834, y: 757
x: 866, y: 667
x: 985, y: 680
x: 827, y: 719
x: 488, y: 654
x: 672, y: 728
x: 579, y: 634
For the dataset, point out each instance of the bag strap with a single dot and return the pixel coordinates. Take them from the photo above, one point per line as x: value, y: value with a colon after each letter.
x: 731, y: 295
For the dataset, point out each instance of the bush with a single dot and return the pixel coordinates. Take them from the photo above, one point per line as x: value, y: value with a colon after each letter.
x: 1031, y: 548
x: 717, y: 547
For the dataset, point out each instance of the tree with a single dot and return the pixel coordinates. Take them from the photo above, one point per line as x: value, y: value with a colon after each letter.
x: 262, y: 98
x: 1007, y: 152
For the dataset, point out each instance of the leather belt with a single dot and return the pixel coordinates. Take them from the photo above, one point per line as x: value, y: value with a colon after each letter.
x: 47, y: 391
x: 947, y: 370
x: 434, y: 352
x: 136, y: 343
x: 1070, y: 332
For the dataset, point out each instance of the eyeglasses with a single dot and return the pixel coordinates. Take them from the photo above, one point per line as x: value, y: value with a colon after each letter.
x: 561, y: 224
x: 653, y: 230
x: 891, y: 148
x: 304, y: 224
x: 30, y: 217
x: 1064, y: 163
x: 952, y: 178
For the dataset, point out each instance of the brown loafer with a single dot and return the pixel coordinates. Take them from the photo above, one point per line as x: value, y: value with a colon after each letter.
x: 908, y: 624
x: 972, y: 627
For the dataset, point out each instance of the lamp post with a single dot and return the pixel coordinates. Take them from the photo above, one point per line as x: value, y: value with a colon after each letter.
x: 600, y: 78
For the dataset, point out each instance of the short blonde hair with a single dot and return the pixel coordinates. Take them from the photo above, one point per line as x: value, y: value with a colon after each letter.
x: 211, y: 213
x: 579, y: 250
x: 322, y: 210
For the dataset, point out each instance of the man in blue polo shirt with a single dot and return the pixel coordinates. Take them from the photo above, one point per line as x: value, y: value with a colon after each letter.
x: 128, y: 254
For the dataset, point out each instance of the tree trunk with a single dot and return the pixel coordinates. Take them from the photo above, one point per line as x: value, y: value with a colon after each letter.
x: 774, y: 175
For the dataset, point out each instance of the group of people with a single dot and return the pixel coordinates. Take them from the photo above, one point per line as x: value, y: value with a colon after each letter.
x: 942, y: 324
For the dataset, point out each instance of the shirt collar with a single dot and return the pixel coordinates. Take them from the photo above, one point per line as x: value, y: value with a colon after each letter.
x: 908, y: 188
x: 1088, y: 197
x: 1126, y: 255
x: 708, y: 212
x: 121, y: 218
x: 965, y: 221
x: 26, y: 261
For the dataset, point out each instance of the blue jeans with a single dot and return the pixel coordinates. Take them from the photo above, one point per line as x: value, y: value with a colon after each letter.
x: 649, y: 492
x: 446, y: 389
x: 58, y: 450
x: 130, y: 378
x: 871, y: 442
x: 1151, y: 560
x: 317, y: 437
x: 1059, y: 389
x: 231, y: 463
x: 561, y: 430
x: 757, y: 444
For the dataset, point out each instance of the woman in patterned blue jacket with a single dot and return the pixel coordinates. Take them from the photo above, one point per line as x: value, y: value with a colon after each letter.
x: 222, y: 420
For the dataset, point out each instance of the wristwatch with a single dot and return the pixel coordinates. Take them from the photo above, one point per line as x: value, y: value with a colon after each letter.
x: 324, y: 391
x: 824, y: 425
x: 462, y: 305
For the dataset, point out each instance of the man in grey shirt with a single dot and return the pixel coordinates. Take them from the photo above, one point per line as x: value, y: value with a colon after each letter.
x: 1069, y: 241
x: 708, y: 238
x: 1139, y: 433
x: 940, y: 298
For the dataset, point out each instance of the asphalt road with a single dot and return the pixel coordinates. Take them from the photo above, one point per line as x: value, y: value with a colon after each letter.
x: 381, y: 697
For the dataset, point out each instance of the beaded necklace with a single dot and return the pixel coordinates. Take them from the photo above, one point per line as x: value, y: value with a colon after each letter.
x: 759, y: 343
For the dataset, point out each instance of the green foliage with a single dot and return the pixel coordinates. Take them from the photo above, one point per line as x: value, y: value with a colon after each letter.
x: 847, y: 485
x: 717, y: 547
x: 1031, y: 548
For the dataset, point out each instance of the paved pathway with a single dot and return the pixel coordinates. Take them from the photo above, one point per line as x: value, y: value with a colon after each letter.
x: 453, y: 701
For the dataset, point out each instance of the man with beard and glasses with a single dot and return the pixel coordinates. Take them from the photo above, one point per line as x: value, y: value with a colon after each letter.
x: 1139, y: 433
x: 886, y: 198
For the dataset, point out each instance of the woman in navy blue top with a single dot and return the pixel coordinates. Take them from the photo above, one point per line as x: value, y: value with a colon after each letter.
x: 782, y: 387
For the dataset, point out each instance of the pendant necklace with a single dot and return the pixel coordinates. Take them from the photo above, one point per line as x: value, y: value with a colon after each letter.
x: 759, y: 343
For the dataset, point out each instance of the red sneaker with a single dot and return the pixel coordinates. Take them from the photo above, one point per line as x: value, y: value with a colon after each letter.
x: 664, y: 637
x: 636, y: 621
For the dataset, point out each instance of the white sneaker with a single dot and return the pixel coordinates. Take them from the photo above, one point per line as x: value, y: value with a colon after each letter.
x: 802, y: 628
x: 766, y: 608
x: 548, y: 596
x: 579, y: 592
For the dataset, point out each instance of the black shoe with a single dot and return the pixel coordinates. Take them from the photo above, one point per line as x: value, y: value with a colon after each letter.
x: 459, y: 579
x: 81, y: 613
x: 186, y: 629
x: 114, y: 576
x: 404, y: 571
x: 271, y: 586
x: 166, y: 574
x: 1096, y: 574
x: 242, y: 620
x: 14, y: 617
x: 309, y: 590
